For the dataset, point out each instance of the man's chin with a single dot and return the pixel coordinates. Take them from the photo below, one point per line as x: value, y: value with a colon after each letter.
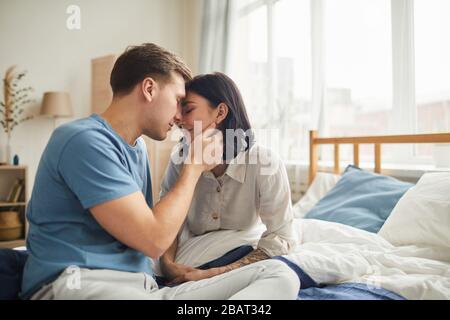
x: 161, y: 137
x: 156, y: 136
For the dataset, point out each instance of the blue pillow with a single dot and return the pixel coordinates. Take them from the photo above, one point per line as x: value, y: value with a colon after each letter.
x: 12, y: 263
x: 360, y: 199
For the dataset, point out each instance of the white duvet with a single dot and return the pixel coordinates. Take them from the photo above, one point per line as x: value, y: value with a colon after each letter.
x: 414, y: 264
x: 410, y: 255
x: 333, y: 253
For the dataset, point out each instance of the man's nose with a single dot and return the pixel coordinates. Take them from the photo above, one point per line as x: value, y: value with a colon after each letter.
x: 178, y: 117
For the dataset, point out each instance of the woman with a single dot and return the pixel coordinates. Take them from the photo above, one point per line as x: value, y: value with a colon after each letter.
x: 235, y: 195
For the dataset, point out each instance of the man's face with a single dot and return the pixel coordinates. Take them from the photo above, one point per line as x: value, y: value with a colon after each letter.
x: 165, y: 108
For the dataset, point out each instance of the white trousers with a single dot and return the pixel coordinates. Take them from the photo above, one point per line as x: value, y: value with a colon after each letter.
x: 263, y: 280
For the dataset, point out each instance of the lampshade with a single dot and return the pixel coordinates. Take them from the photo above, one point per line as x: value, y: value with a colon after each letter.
x: 56, y: 104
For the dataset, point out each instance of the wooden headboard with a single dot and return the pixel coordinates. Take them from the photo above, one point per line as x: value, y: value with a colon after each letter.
x: 377, y: 141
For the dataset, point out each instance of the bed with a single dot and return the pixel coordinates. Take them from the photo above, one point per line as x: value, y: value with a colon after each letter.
x: 362, y: 235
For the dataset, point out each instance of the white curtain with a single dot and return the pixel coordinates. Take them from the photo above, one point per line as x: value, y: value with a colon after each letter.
x: 318, y: 66
x: 217, y: 28
x: 404, y: 111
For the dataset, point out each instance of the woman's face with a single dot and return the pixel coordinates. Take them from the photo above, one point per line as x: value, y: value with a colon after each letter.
x: 196, y: 109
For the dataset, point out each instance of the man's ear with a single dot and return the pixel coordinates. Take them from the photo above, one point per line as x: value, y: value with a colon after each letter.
x: 149, y: 88
x: 222, y: 112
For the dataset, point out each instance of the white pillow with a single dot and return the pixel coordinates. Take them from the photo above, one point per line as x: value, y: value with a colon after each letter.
x: 322, y: 183
x: 422, y: 216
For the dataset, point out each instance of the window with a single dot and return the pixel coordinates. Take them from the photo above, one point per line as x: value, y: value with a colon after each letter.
x: 432, y: 68
x: 292, y: 64
x: 274, y: 72
x: 358, y: 81
x: 347, y: 67
x: 251, y: 68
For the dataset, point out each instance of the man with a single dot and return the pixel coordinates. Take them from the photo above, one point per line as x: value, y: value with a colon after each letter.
x: 92, y: 221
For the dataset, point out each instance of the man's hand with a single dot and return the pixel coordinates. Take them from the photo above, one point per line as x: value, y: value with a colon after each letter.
x: 172, y: 270
x: 195, y: 275
x: 206, y: 150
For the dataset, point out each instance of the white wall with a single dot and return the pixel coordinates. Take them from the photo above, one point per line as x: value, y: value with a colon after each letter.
x: 33, y: 35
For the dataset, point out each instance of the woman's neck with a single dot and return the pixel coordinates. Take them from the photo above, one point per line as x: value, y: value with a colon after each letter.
x: 219, y: 170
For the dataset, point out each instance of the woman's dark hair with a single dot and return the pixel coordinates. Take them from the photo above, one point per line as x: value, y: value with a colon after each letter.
x: 218, y: 88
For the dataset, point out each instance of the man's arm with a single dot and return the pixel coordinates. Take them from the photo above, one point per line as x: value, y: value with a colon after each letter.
x: 170, y: 269
x: 180, y: 273
x: 170, y: 254
x: 132, y: 222
x: 198, y: 274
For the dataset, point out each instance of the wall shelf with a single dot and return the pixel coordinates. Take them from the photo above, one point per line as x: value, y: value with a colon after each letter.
x: 12, y: 204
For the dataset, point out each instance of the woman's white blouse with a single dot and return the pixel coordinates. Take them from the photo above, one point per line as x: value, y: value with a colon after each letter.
x: 254, y: 188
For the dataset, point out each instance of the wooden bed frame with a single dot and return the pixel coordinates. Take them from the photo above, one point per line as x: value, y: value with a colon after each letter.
x: 377, y: 141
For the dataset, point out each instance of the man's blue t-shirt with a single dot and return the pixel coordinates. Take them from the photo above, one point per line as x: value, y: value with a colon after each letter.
x: 85, y: 163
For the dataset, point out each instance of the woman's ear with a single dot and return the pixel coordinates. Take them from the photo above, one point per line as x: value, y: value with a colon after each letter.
x: 222, y: 112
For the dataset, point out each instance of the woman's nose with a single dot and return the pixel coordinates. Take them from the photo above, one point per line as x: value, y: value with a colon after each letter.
x: 178, y: 121
x: 178, y: 117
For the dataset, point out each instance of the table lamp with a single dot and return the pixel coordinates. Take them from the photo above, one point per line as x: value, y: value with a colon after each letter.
x: 56, y: 105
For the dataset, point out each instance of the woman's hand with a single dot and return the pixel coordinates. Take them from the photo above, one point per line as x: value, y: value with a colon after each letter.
x: 195, y: 275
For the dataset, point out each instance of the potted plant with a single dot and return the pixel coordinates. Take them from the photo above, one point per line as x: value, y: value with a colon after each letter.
x: 15, y: 98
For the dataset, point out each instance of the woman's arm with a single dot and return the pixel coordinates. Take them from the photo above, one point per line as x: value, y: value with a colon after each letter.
x: 276, y: 211
x: 254, y: 256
